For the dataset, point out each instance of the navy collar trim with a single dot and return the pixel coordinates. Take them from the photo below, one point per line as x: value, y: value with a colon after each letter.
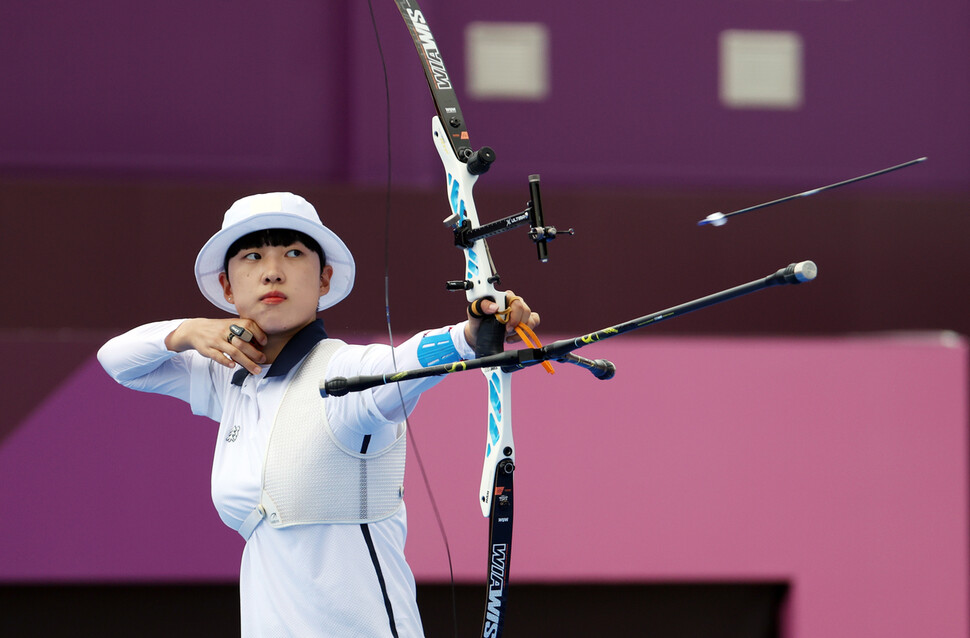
x: 292, y: 353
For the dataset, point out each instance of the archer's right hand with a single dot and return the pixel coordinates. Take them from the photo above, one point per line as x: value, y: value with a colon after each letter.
x: 212, y: 338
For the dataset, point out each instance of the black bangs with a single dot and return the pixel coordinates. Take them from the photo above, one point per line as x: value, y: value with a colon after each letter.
x: 272, y: 237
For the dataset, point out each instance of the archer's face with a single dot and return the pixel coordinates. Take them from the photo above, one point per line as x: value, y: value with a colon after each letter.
x: 278, y: 287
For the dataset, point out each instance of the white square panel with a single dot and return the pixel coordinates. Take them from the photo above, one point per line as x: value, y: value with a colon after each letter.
x: 507, y: 60
x: 761, y: 69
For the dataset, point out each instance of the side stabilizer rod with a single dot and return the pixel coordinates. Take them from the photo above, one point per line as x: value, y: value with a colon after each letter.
x: 512, y: 360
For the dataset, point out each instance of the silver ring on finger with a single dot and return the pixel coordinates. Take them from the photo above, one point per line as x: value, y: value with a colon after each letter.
x: 239, y: 331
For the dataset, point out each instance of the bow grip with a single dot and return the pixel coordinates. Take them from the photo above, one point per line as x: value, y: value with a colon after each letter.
x: 491, y: 332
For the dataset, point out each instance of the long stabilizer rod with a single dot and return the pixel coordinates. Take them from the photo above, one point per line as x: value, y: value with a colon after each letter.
x: 562, y: 350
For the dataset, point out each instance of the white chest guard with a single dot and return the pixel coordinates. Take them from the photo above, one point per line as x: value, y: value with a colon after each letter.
x: 309, y: 476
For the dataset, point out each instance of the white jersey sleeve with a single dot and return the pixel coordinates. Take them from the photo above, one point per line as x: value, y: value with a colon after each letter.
x: 370, y: 411
x: 138, y: 359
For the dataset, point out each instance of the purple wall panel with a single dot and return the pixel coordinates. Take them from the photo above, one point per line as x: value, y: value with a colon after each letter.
x: 296, y: 89
x: 635, y: 97
x: 104, y: 484
x: 179, y: 88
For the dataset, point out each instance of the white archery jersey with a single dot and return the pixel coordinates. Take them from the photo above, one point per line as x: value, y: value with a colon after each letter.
x: 308, y: 579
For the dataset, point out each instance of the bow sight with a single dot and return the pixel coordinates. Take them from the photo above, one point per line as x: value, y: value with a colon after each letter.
x: 539, y: 233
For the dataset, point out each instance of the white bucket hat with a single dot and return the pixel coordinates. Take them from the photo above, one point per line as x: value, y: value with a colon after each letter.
x: 262, y: 212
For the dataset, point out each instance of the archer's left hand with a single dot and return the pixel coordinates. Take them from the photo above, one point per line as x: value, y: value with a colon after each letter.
x: 518, y: 313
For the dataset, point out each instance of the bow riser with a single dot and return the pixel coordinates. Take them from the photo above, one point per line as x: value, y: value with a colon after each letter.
x: 479, y: 275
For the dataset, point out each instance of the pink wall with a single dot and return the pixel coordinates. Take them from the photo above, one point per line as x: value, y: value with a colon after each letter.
x: 838, y: 465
